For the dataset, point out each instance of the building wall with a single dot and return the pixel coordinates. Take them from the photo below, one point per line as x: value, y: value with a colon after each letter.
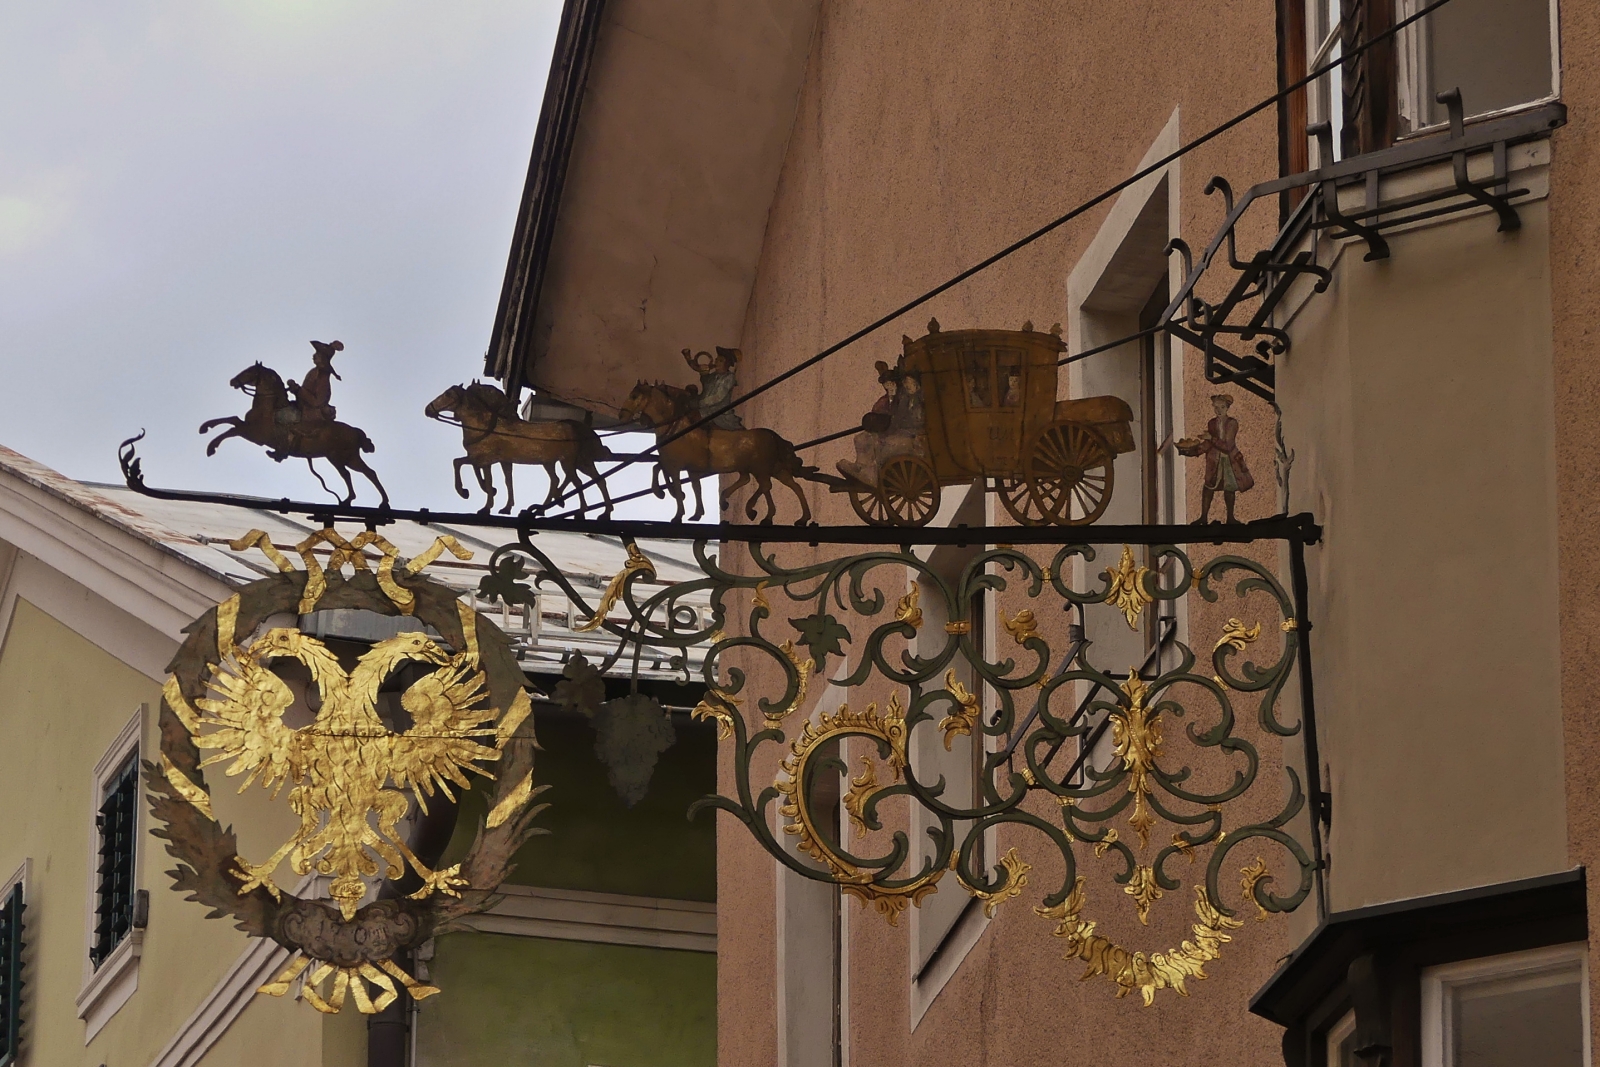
x: 62, y: 702
x: 555, y: 1003
x: 1418, y: 393
x: 1575, y: 311
x: 549, y: 1003
x: 927, y: 137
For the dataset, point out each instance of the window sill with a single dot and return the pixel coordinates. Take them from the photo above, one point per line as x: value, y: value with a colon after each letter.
x: 111, y: 985
x: 1442, y: 129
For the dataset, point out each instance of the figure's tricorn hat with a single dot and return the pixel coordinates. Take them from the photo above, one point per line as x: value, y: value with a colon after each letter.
x: 327, y: 348
x: 730, y: 354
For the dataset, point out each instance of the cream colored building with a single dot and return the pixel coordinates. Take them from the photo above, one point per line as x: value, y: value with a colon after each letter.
x: 775, y: 176
x: 96, y: 587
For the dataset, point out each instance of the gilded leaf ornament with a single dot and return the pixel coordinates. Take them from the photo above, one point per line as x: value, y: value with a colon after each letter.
x: 889, y: 728
x: 965, y: 717
x: 636, y: 563
x: 716, y: 705
x: 1144, y: 891
x: 1136, y: 741
x: 1238, y: 635
x: 1256, y: 872
x: 1134, y: 970
x: 1016, y: 877
x: 1022, y: 626
x: 802, y: 666
x: 855, y: 798
x: 1127, y: 590
x: 907, y: 610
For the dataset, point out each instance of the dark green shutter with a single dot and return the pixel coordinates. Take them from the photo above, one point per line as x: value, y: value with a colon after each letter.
x: 113, y: 905
x: 11, y: 934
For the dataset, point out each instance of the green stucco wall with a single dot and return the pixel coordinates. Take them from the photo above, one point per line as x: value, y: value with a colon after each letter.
x: 598, y: 844
x: 540, y: 1003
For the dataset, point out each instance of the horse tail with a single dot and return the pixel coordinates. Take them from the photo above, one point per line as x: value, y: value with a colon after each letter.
x: 365, y: 442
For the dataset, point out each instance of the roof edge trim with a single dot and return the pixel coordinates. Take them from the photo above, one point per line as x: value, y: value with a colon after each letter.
x: 511, y: 341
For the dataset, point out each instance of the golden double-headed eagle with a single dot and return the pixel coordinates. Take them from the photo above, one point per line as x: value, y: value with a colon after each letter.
x: 340, y: 766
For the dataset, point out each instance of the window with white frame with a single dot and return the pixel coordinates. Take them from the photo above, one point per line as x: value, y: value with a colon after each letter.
x: 1501, y: 54
x: 1513, y: 1010
x: 1342, y: 1043
x: 116, y: 907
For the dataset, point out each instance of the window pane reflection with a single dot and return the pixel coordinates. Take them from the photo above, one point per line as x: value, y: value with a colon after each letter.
x: 1519, y: 1020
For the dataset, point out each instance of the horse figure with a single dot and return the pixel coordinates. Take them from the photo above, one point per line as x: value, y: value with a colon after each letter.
x: 275, y: 423
x: 492, y: 433
x: 759, y: 454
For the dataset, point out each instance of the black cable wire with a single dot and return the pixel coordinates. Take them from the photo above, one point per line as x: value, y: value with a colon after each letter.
x: 1023, y: 242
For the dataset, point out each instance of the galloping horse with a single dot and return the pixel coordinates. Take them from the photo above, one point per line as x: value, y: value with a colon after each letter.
x: 274, y: 422
x: 492, y: 433
x: 759, y: 454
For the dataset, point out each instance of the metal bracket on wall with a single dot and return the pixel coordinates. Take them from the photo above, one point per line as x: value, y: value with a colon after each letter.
x: 1261, y: 282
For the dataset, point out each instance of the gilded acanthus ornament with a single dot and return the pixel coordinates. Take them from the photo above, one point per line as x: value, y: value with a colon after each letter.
x: 1127, y: 589
x: 1136, y: 740
x: 351, y: 776
x: 1022, y: 626
x: 637, y: 563
x: 1016, y: 878
x: 1134, y: 970
x: 965, y: 716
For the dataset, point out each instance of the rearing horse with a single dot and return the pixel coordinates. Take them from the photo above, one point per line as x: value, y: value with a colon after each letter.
x: 272, y: 423
x: 760, y: 454
x: 492, y: 433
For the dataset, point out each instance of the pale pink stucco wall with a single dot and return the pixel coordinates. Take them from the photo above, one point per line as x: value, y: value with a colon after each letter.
x: 928, y: 136
x: 1575, y: 298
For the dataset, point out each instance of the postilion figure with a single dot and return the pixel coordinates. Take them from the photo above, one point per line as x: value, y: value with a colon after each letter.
x: 718, y: 380
x: 1226, y: 469
x: 893, y: 427
x: 312, y: 398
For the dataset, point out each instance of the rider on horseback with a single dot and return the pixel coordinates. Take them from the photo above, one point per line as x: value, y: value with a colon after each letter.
x: 311, y: 399
x: 718, y: 379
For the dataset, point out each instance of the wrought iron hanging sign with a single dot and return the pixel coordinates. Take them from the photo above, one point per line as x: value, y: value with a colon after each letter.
x: 1144, y: 765
x: 351, y: 777
x: 1177, y: 756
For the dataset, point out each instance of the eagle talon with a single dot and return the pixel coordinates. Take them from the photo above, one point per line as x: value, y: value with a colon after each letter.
x: 448, y: 882
x: 254, y: 875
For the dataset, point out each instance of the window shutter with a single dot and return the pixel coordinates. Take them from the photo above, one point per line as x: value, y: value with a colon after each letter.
x: 1371, y: 97
x: 114, y: 874
x: 11, y: 944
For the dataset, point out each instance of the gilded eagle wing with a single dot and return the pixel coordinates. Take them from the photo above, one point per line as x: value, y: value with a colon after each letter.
x: 246, y: 715
x: 446, y: 721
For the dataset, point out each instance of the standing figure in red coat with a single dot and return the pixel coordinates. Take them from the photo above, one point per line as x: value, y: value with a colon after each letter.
x: 1225, y: 465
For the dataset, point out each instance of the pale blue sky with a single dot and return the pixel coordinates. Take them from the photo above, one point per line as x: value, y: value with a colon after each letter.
x: 188, y: 186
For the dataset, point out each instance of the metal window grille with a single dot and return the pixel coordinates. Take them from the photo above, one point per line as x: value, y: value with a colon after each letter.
x: 113, y: 904
x: 11, y: 942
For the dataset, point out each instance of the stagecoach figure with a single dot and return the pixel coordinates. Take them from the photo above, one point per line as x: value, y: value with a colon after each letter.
x: 718, y: 380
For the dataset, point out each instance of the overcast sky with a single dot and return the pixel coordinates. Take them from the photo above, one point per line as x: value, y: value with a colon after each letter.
x: 188, y: 186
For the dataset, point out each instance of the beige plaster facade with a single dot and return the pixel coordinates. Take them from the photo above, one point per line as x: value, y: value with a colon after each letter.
x: 1439, y: 405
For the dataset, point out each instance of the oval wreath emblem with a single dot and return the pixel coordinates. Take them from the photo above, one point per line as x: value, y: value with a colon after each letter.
x: 350, y: 777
